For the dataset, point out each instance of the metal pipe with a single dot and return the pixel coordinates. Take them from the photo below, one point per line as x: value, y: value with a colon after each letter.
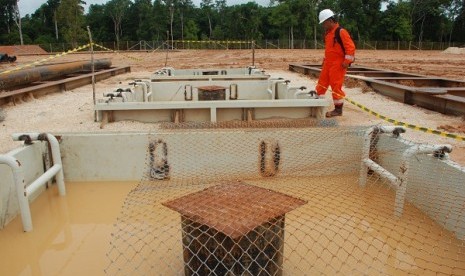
x: 20, y: 184
x: 47, y: 72
x: 93, y: 70
x: 56, y: 155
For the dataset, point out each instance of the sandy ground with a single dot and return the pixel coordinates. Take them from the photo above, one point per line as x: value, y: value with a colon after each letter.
x: 73, y: 111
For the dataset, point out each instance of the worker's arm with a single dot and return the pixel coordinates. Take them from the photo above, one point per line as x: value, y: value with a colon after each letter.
x: 349, y: 47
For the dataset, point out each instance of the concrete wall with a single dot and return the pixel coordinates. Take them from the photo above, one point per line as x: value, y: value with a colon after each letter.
x: 174, y: 91
x: 228, y: 153
x: 437, y: 187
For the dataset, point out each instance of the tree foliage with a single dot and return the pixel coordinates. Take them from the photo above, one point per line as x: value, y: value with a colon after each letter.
x: 115, y: 20
x: 70, y: 16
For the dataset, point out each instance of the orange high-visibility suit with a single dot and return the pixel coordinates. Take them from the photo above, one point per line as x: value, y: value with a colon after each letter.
x: 333, y: 71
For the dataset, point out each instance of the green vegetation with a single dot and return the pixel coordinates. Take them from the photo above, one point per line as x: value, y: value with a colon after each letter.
x: 64, y: 21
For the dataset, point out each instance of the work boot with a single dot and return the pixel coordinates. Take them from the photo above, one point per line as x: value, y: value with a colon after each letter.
x: 336, y: 112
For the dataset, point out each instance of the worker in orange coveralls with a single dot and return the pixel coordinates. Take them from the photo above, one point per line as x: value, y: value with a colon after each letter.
x: 339, y: 54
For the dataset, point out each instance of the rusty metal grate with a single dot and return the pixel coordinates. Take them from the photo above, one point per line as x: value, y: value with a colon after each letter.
x: 234, y: 208
x: 212, y: 93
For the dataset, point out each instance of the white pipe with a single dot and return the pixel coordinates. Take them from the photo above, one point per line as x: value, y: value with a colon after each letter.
x: 365, y: 155
x: 366, y: 152
x: 271, y: 93
x: 20, y: 184
x: 296, y: 94
x: 40, y: 181
x: 56, y: 156
x: 381, y: 171
x: 391, y: 129
x: 145, y: 91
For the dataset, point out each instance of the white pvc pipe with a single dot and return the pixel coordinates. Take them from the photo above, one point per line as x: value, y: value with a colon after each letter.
x: 56, y: 156
x: 381, y: 171
x: 21, y: 193
x: 367, y: 163
x: 271, y: 93
x: 392, y: 129
x: 145, y: 91
x: 365, y: 155
x: 44, y: 178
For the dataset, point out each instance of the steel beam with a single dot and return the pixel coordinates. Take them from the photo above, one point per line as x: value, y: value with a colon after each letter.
x: 60, y: 85
x: 443, y: 95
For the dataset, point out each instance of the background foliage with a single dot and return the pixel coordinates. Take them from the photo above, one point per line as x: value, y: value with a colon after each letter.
x: 64, y: 21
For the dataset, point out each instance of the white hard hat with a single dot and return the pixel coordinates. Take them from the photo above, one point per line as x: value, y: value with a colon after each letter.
x: 325, y: 14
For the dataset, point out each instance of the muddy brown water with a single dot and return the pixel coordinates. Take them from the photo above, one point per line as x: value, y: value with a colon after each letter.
x: 71, y: 234
x: 343, y: 229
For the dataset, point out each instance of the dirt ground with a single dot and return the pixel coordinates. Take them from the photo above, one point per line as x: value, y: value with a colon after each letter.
x: 72, y: 110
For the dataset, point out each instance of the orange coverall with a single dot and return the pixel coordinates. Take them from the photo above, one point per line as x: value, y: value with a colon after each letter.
x: 332, y: 73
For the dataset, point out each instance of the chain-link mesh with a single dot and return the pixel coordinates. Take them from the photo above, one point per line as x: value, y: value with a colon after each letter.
x: 287, y: 199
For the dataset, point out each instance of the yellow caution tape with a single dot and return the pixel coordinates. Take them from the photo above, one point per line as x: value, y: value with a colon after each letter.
x: 214, y: 41
x: 108, y: 49
x: 399, y: 123
x: 45, y: 59
x: 414, y: 127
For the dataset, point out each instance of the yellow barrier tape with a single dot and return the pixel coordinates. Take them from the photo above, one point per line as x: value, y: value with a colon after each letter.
x: 414, y: 127
x: 108, y: 49
x: 399, y: 123
x: 214, y: 41
x: 45, y: 59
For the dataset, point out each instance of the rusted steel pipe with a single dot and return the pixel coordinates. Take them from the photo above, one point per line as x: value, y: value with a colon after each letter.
x: 47, y: 72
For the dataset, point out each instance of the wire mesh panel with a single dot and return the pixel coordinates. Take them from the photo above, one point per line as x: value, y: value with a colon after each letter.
x: 288, y: 199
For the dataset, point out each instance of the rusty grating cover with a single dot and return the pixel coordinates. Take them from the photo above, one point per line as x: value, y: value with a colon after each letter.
x: 234, y: 208
x: 211, y: 88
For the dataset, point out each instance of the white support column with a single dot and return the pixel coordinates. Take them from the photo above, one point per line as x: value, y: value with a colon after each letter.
x: 213, y: 114
x: 365, y: 156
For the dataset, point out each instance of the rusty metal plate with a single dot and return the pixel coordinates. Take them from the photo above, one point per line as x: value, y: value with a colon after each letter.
x: 211, y: 88
x: 234, y: 208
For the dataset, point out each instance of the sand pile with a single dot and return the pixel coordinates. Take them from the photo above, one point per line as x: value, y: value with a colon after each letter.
x: 17, y: 50
x: 454, y: 50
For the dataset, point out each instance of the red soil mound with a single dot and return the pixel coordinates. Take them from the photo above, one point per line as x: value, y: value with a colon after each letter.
x: 17, y: 50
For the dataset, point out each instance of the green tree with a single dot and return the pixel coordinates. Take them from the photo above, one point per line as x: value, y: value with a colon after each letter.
x: 206, y: 7
x: 138, y: 21
x: 282, y: 18
x: 359, y: 17
x: 396, y: 22
x: 6, y: 13
x: 459, y: 22
x: 100, y: 23
x: 191, y: 30
x: 117, y: 10
x: 161, y: 19
x: 70, y: 16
